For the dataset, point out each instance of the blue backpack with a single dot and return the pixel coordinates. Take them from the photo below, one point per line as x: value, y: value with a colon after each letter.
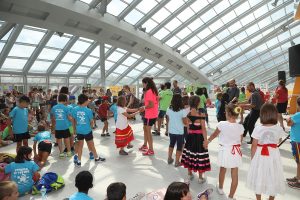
x: 51, y: 181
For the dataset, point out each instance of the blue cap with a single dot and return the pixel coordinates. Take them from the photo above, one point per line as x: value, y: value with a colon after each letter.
x: 72, y: 98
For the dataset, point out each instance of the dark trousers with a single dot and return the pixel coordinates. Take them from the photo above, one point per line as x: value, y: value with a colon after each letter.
x: 250, y: 121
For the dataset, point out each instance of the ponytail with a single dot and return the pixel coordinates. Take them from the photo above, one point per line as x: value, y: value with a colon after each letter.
x: 22, y: 154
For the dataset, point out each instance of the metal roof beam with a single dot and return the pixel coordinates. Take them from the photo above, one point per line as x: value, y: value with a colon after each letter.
x: 172, y: 16
x: 97, y: 64
x: 143, y: 73
x: 127, y: 10
x: 256, y: 56
x: 190, y: 20
x: 37, y: 51
x: 87, y: 52
x: 94, y: 3
x: 210, y: 22
x: 259, y: 5
x: 10, y: 42
x: 117, y: 64
x: 136, y: 63
x: 267, y: 37
x: 151, y: 13
x: 6, y: 28
x: 61, y: 55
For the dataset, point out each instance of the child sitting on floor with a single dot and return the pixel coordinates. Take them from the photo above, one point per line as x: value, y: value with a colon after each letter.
x: 8, y: 190
x: 44, y: 141
x: 83, y: 182
x: 23, y: 170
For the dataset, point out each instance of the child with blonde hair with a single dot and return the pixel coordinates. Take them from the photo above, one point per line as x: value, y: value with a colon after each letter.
x: 230, y: 156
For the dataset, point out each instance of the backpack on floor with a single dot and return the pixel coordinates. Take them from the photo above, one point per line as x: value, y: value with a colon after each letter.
x: 51, y: 181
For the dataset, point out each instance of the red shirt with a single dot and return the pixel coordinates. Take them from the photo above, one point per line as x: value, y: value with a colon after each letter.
x: 103, y: 108
x: 282, y: 94
x: 151, y: 113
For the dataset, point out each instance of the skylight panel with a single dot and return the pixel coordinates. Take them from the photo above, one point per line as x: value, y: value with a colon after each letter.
x: 82, y: 70
x: 239, y: 37
x: 208, y: 15
x: 225, y: 57
x: 120, y: 69
x: 184, y: 47
x: 236, y: 26
x: 1, y: 46
x: 195, y: 24
x: 21, y: 51
x: 161, y: 33
x: 223, y: 34
x: 246, y: 20
x: 252, y: 29
x: 146, y: 6
x: 261, y: 11
x: 245, y: 45
x: 115, y: 7
x: 40, y: 66
x: 212, y: 42
x: 235, y: 51
x: 219, y: 50
x: 172, y: 6
x: 30, y: 36
x: 161, y: 15
x: 198, y: 5
x: 62, y: 68
x: 194, y: 40
x: 71, y: 57
x: 87, y: 1
x: 242, y: 8
x: 108, y: 65
x: 115, y: 56
x: 186, y: 14
x: 191, y: 55
x: 216, y: 25
x: 134, y: 73
x: 229, y: 43
x: 96, y: 51
x: 129, y: 61
x: 174, y: 40
x: 48, y: 54
x: 133, y: 17
x: 265, y: 22
x: 174, y: 23
x: 184, y: 32
x: 13, y: 64
x: 153, y: 71
x: 228, y: 17
x: 149, y: 25
x: 208, y: 56
x: 6, y: 36
x: 203, y: 34
x: 199, y: 62
x: 142, y: 66
x: 80, y: 46
x: 90, y: 61
x: 201, y: 49
x: 57, y: 42
x: 220, y: 7
x: 279, y: 14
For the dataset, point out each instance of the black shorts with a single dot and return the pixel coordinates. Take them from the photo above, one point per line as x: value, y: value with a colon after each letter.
x: 149, y: 122
x: 21, y: 136
x: 103, y: 119
x: 45, y: 146
x: 59, y: 134
x: 176, y: 139
x: 281, y: 107
x: 161, y: 114
x: 86, y: 137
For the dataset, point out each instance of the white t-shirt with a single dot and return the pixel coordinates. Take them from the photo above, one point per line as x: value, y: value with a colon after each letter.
x: 175, y: 121
x: 268, y: 134
x: 230, y: 133
x: 122, y: 121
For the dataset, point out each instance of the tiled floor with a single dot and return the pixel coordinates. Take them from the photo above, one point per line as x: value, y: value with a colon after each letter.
x: 146, y: 174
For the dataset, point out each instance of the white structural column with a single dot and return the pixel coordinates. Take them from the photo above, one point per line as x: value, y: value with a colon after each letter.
x: 102, y: 65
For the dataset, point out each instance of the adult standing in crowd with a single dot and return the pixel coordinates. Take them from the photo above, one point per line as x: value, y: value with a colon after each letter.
x: 254, y: 104
x: 176, y: 89
x: 151, y: 113
x: 233, y: 91
x: 165, y: 98
x: 108, y: 94
x: 281, y: 94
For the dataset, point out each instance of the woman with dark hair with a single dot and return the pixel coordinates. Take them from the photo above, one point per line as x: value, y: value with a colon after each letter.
x: 64, y: 90
x: 151, y: 113
x: 281, y: 94
x: 108, y: 94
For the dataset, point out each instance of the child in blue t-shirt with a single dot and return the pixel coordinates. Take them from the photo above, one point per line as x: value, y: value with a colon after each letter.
x: 294, y: 122
x: 61, y: 117
x: 19, y: 117
x: 176, y: 118
x: 71, y: 106
x: 44, y: 141
x: 83, y: 123
x: 83, y: 182
x: 23, y: 170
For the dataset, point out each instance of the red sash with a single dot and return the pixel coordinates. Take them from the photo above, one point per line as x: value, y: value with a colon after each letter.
x: 265, y: 149
x: 236, y: 148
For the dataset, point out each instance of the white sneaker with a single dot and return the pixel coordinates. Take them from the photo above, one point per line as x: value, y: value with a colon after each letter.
x: 201, y: 180
x: 219, y: 190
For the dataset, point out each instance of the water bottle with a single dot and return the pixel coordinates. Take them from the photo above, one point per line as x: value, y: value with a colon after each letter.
x: 43, y: 193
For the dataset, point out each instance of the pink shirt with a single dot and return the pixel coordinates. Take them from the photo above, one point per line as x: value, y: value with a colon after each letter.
x: 151, y: 113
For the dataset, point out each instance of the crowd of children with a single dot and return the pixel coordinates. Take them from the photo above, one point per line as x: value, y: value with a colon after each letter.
x: 71, y: 122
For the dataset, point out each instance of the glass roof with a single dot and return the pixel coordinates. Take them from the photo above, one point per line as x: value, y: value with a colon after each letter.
x: 223, y: 39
